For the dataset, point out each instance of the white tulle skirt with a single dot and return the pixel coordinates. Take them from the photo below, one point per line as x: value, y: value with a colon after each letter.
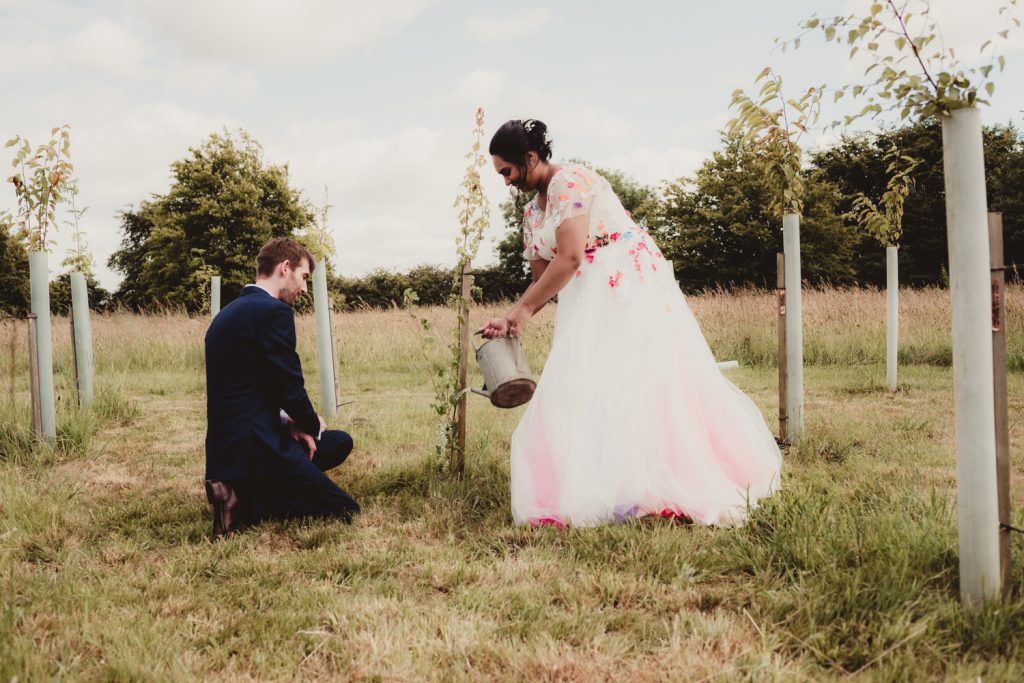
x: 631, y: 415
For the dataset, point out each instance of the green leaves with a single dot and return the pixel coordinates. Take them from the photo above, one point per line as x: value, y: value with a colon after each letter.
x: 775, y: 133
x: 45, y: 175
x: 903, y: 79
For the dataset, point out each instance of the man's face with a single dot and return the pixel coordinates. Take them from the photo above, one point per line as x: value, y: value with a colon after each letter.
x: 294, y: 284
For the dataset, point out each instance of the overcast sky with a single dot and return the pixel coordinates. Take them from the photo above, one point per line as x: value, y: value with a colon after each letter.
x: 376, y: 100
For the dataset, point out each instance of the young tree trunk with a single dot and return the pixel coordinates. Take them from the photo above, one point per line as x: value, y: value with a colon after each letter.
x: 892, y: 315
x: 794, y: 329
x: 39, y: 278
x: 324, y: 341
x: 967, y: 229
x: 82, y: 338
x: 33, y: 377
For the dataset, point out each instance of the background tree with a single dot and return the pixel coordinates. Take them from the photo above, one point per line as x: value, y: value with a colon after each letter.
x: 223, y: 204
x: 720, y: 227
x: 858, y: 165
x: 14, y: 290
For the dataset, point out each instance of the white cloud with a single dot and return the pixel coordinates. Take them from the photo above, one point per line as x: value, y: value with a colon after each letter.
x: 652, y: 166
x: 391, y: 196
x: 273, y: 32
x: 211, y: 78
x: 491, y: 28
x: 102, y: 47
x: 479, y: 88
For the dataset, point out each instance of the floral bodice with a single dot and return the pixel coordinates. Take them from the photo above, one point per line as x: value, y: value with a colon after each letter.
x: 575, y: 191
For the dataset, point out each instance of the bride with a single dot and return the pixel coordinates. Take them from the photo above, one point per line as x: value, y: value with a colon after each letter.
x: 631, y: 415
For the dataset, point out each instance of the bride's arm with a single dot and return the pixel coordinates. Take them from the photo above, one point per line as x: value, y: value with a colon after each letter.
x: 537, y: 268
x: 550, y: 278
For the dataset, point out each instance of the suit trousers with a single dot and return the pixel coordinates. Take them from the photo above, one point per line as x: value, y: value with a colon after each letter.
x: 299, y: 488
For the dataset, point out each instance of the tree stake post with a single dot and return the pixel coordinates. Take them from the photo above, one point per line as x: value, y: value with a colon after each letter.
x: 780, y: 291
x: 459, y: 454
x: 1002, y: 409
x: 33, y: 378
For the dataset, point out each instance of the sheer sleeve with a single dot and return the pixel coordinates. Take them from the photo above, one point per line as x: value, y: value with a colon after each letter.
x: 529, y: 251
x: 569, y: 196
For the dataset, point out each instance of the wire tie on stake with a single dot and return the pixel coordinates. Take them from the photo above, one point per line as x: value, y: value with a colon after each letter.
x: 1009, y: 527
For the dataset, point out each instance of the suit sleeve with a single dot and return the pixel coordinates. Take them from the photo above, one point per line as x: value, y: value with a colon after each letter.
x: 278, y: 340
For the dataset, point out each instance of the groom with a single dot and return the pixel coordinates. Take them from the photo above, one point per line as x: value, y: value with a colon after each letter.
x: 266, y: 447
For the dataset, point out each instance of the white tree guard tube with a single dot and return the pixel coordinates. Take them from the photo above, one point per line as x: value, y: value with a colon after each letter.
x: 324, y: 340
x: 83, y: 337
x: 967, y: 229
x: 214, y: 296
x: 794, y: 328
x: 39, y: 279
x: 892, y: 315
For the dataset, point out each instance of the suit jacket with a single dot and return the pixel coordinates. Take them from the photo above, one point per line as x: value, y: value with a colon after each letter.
x: 252, y: 372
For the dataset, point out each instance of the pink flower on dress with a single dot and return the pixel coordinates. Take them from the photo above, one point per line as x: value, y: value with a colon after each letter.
x: 614, y: 236
x: 613, y: 280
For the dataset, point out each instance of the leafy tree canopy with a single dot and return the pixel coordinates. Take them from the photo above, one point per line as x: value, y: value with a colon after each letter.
x: 225, y: 201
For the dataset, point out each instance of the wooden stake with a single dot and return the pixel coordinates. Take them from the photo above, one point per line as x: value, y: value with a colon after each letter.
x: 780, y: 289
x: 334, y: 357
x: 459, y: 456
x: 12, y: 360
x: 33, y: 375
x: 995, y: 236
x: 74, y: 355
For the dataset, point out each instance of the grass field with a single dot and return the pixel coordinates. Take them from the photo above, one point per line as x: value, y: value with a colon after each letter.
x: 107, y: 573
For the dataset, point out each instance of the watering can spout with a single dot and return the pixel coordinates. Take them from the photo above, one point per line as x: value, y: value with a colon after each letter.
x: 485, y: 392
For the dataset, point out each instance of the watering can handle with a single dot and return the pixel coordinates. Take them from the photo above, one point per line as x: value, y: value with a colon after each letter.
x: 473, y: 343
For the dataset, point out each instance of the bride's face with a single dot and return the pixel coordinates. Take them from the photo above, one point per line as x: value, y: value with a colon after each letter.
x: 514, y: 175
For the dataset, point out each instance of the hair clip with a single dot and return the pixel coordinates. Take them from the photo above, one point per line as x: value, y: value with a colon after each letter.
x: 528, y: 125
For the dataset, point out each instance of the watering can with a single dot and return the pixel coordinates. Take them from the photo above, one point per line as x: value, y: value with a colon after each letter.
x: 508, y: 381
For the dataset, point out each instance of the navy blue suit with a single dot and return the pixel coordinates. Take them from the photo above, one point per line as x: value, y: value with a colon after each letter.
x: 253, y: 372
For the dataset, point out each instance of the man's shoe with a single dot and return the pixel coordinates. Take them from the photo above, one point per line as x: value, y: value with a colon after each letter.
x: 224, y: 502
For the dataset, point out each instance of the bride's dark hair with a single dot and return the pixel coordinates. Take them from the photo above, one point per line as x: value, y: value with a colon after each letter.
x: 514, y: 139
x: 517, y: 137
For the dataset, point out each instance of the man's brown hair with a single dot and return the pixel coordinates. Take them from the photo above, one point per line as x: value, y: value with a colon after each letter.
x: 282, y: 249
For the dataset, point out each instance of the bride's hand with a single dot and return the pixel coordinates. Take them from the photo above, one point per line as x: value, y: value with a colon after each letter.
x: 517, y: 319
x: 495, y: 327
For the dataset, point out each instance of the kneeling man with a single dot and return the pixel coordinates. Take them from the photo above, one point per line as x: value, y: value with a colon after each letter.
x: 266, y: 447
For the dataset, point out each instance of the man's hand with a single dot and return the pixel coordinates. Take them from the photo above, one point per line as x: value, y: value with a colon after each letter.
x: 303, y: 437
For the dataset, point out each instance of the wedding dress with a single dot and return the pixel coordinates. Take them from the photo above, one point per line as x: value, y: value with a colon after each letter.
x: 631, y: 415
